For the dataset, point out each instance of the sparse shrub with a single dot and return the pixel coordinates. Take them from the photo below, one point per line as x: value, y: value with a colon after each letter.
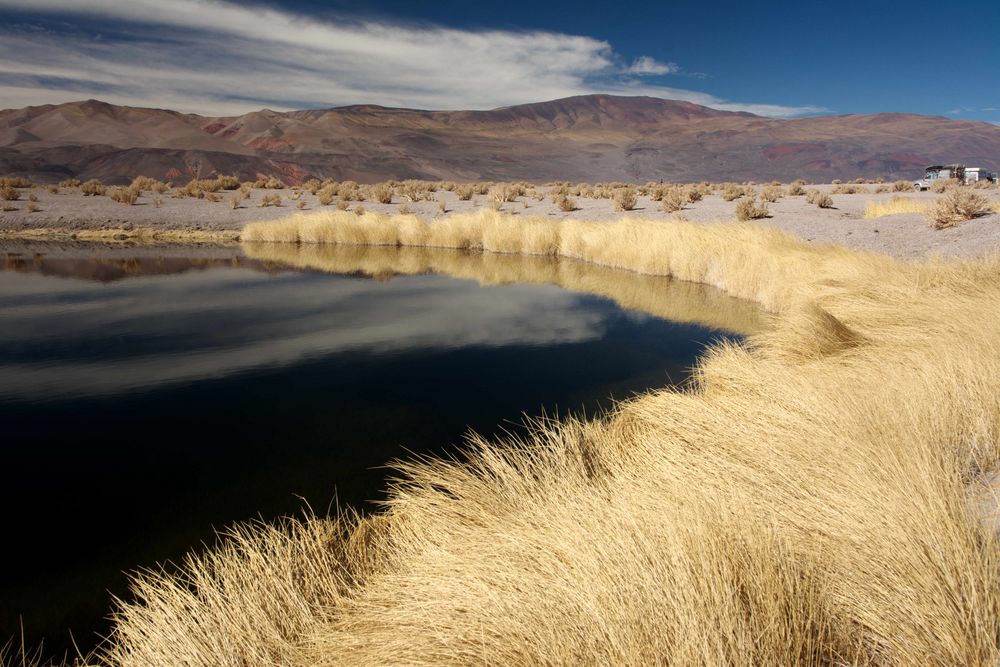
x: 673, y: 200
x: 882, y: 189
x: 312, y: 186
x: 441, y: 204
x: 326, y: 194
x: 796, y: 190
x: 9, y: 193
x: 8, y: 207
x: 820, y: 199
x: 481, y: 188
x: 625, y: 198
x: 850, y: 190
x: 213, y: 197
x: 157, y: 202
x: 274, y: 184
x: 15, y: 182
x: 956, y: 206
x: 93, y: 188
x: 228, y: 182
x: 943, y: 184
x: 696, y: 193
x: 70, y: 183
x: 772, y: 194
x: 301, y: 205
x: 902, y: 186
x: 128, y: 196
x: 33, y: 207
x: 341, y: 205
x: 359, y: 210
x: 380, y: 192
x: 894, y: 206
x: 32, y: 196
x: 749, y: 209
x: 731, y: 192
x: 235, y: 201
x: 405, y: 210
x: 506, y: 192
x: 564, y: 203
x: 53, y: 189
x: 836, y: 181
x: 464, y: 192
x: 270, y: 200
x: 143, y: 183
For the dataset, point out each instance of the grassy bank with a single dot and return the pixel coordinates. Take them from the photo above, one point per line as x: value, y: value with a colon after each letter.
x: 818, y: 498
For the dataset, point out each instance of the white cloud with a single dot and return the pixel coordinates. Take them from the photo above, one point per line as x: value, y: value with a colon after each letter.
x: 222, y: 58
x: 645, y: 65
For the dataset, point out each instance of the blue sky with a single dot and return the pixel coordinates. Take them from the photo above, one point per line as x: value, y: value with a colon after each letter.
x: 778, y: 59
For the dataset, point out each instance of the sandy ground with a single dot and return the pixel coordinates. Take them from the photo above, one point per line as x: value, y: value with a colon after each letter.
x: 906, y: 236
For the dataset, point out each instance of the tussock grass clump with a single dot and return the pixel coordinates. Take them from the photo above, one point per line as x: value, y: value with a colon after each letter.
x: 749, y: 209
x: 853, y: 189
x: 15, y: 182
x: 791, y: 507
x: 957, y: 206
x: 381, y: 192
x: 732, y: 192
x: 902, y: 186
x: 894, y: 206
x: 796, y: 190
x: 673, y: 200
x: 128, y: 196
x: 564, y: 203
x: 9, y: 193
x: 270, y: 200
x: 93, y: 188
x: 625, y: 198
x: 943, y: 185
x: 772, y: 193
x: 820, y: 199
x: 70, y: 183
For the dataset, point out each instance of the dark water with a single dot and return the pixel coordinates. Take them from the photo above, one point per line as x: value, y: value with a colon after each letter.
x: 149, y: 396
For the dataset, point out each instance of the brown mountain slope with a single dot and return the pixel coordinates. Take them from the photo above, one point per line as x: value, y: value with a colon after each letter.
x: 592, y: 137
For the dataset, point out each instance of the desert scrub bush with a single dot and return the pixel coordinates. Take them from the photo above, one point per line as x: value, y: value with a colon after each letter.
x: 157, y: 202
x: 124, y: 195
x: 33, y: 207
x: 850, y: 189
x: 359, y: 210
x: 894, y: 206
x: 273, y: 183
x: 381, y: 193
x: 481, y: 188
x: 341, y: 205
x: 8, y: 207
x: 464, y: 192
x: 15, y: 182
x: 625, y: 198
x: 228, y: 182
x: 695, y: 193
x: 52, y: 189
x: 506, y: 192
x: 943, y: 184
x: 731, y: 192
x: 772, y: 193
x: 312, y: 185
x: 836, y: 181
x: 404, y: 210
x: 749, y: 209
x: 881, y: 189
x: 957, y: 206
x: 70, y: 183
x: 673, y: 200
x: 902, y: 186
x: 300, y: 205
x: 796, y: 190
x: 442, y: 204
x: 270, y: 200
x: 143, y: 183
x: 326, y: 194
x: 32, y: 196
x: 564, y: 203
x: 93, y: 188
x: 820, y: 199
x: 9, y: 193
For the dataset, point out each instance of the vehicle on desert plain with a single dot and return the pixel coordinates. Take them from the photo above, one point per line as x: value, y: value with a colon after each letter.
x: 958, y: 172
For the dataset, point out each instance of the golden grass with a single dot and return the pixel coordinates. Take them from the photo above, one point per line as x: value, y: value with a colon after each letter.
x: 896, y: 205
x: 815, y: 498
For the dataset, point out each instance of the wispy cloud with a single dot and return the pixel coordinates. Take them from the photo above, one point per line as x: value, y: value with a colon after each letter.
x: 645, y: 65
x: 223, y: 58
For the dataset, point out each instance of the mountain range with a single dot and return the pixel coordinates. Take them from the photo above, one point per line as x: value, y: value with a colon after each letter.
x: 584, y: 138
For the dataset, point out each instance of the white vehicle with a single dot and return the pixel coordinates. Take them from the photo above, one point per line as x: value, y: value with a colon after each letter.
x: 957, y: 172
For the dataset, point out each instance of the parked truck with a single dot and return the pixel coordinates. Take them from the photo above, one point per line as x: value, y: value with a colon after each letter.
x: 957, y: 172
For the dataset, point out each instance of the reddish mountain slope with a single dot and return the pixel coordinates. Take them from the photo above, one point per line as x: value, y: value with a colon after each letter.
x: 593, y: 137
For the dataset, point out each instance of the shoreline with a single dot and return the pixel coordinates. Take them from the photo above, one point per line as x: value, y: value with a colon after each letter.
x: 71, y: 216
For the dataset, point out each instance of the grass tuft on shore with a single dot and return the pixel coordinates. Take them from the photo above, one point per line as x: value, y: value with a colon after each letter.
x: 823, y: 494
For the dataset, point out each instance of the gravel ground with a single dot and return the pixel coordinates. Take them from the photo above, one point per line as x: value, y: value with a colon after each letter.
x: 906, y: 236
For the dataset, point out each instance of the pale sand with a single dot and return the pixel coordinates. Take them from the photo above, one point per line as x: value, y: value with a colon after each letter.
x: 906, y: 236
